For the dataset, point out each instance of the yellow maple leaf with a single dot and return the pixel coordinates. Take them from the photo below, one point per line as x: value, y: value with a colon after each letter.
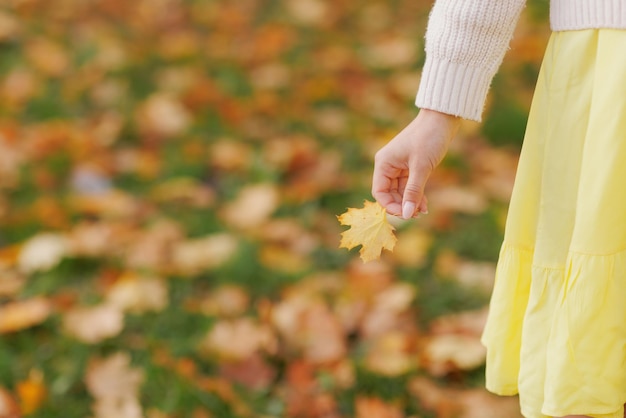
x: 369, y: 228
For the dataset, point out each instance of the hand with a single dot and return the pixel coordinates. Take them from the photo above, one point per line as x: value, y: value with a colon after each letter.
x: 402, y: 167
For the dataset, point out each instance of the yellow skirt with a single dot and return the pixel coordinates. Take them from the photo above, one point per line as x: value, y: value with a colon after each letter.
x: 556, y: 332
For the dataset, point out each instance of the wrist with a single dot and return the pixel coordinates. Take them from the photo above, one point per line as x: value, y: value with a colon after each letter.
x: 439, y: 117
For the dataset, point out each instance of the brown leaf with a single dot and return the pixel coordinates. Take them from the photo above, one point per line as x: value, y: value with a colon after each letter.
x: 9, y: 26
x: 310, y: 181
x: 478, y: 403
x: 412, y: 247
x: 451, y: 352
x: 114, y: 385
x: 291, y: 154
x: 94, y: 324
x: 24, y: 314
x: 163, y: 115
x: 47, y: 56
x: 303, y: 396
x: 469, y: 323
x: 93, y: 239
x: 110, y: 204
x: 369, y: 407
x: 8, y: 405
x: 199, y: 254
x: 179, y: 44
x: 226, y: 300
x: 239, y: 339
x: 367, y: 280
x: 289, y: 232
x: 391, y: 354
x: 111, y: 52
x: 441, y: 401
x: 462, y: 403
x: 270, y: 76
x: 177, y: 80
x: 11, y: 282
x: 155, y: 248
x: 309, y: 327
x: 155, y: 413
x: 11, y: 159
x: 458, y: 199
x: 309, y: 12
x: 324, y: 339
x: 19, y: 85
x: 141, y: 162
x: 389, y: 310
x: 138, y: 294
x: 494, y: 170
x: 405, y: 84
x: 478, y: 275
x: 473, y: 274
x: 230, y: 155
x: 332, y: 120
x: 454, y: 343
x: 391, y: 52
x: 283, y: 259
x: 184, y: 190
x: 252, y: 207
x: 253, y: 373
x: 396, y: 298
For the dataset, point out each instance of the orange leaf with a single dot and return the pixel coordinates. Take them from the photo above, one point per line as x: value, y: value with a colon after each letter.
x: 367, y: 407
x: 369, y: 228
x: 24, y: 314
x: 31, y: 392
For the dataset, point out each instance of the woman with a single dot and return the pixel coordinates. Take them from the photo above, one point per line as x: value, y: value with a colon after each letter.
x: 556, y: 331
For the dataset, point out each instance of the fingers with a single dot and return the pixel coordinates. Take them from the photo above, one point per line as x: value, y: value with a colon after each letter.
x: 391, y: 192
x: 413, y: 199
x: 398, y: 187
x: 387, y: 184
x: 389, y: 198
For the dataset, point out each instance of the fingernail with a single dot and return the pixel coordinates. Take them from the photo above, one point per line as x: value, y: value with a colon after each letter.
x: 408, y: 209
x: 424, y: 211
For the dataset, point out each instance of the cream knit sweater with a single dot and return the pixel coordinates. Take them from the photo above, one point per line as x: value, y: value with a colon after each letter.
x: 466, y: 41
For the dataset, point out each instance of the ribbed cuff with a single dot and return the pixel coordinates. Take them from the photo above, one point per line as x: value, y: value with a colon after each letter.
x: 587, y: 14
x: 453, y: 88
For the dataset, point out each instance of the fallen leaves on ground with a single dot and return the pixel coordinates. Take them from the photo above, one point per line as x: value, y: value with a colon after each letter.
x: 8, y: 405
x: 32, y: 392
x: 170, y: 173
x: 114, y: 384
x: 20, y: 315
x: 92, y: 324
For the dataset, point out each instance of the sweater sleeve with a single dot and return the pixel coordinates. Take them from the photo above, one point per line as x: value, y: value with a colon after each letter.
x: 465, y: 43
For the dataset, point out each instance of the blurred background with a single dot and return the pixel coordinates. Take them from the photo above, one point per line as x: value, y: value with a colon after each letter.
x: 170, y: 176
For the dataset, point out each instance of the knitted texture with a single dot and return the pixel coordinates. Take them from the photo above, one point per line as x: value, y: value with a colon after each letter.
x: 466, y: 41
x: 587, y: 14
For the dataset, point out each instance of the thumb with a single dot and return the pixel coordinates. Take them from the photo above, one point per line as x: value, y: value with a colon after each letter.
x: 414, y: 191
